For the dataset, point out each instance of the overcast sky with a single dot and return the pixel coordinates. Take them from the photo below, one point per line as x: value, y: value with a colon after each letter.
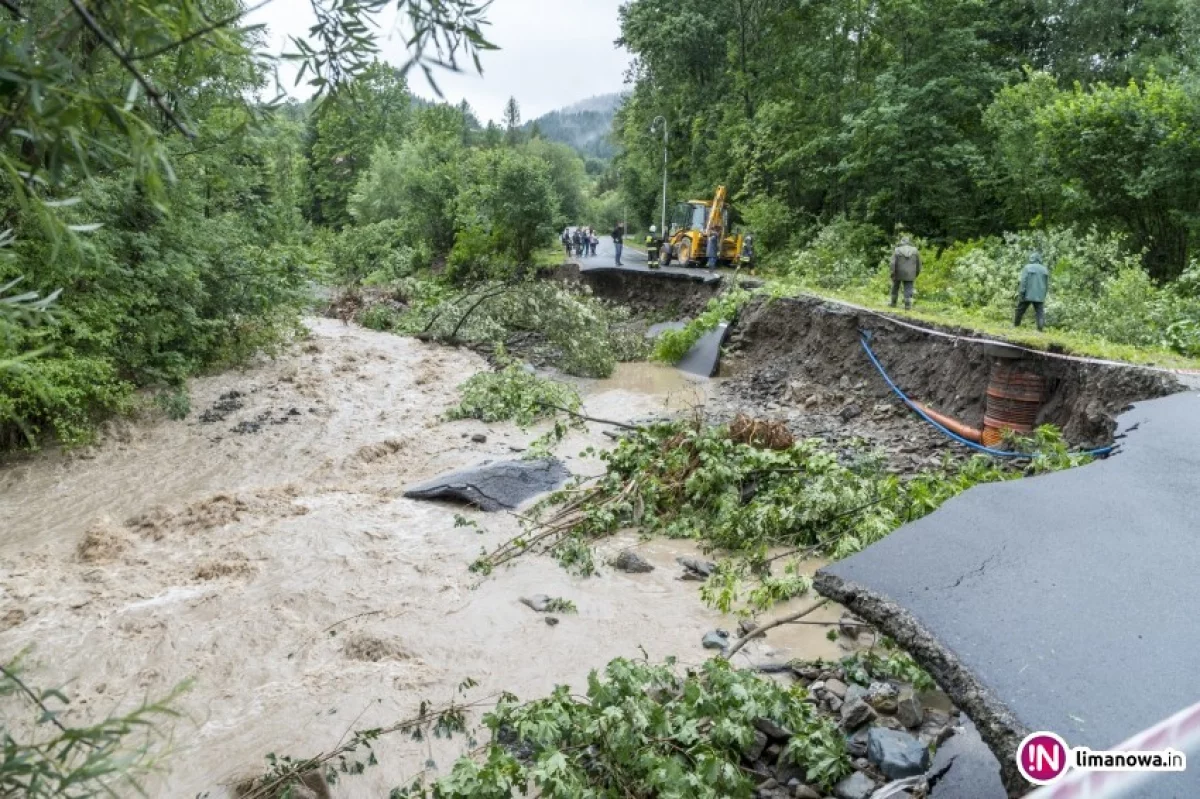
x: 552, y: 53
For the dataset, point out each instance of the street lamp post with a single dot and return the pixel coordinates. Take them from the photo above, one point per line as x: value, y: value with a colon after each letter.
x: 666, y: 141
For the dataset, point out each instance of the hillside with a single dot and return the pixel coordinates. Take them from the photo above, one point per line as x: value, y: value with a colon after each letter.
x: 586, y: 125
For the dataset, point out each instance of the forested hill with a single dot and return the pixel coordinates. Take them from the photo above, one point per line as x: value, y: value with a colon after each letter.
x: 586, y: 125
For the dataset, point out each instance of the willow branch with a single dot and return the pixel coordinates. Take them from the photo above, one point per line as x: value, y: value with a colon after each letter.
x: 757, y: 631
x: 151, y: 91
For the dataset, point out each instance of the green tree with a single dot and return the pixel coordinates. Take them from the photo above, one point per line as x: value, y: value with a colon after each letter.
x: 508, y: 196
x: 371, y: 111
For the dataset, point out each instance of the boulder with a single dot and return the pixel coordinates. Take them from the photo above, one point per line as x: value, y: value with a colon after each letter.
x: 632, y: 563
x: 908, y: 710
x: 856, y: 786
x: 494, y: 486
x: 806, y: 792
x: 757, y: 746
x: 836, y: 687
x: 716, y: 639
x: 771, y: 729
x: 883, y: 696
x: 855, y: 713
x: 896, y: 754
x: 696, y: 569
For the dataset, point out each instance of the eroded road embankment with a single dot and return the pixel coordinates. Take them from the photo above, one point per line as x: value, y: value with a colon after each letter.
x: 263, y: 548
x: 1063, y: 602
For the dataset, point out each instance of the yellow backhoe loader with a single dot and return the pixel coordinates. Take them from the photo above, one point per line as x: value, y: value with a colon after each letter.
x: 693, y: 222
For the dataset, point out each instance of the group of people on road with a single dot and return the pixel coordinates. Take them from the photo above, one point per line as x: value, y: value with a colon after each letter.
x: 1032, y: 289
x: 579, y: 241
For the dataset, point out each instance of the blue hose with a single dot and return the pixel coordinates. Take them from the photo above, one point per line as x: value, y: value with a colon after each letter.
x: 995, y: 453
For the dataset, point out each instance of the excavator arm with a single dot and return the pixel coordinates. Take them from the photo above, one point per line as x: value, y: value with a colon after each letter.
x: 716, y: 214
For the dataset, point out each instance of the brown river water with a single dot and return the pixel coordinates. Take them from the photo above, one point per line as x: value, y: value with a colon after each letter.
x: 281, y: 570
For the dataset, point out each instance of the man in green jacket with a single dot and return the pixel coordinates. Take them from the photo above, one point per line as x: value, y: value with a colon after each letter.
x: 1035, y: 285
x: 906, y: 267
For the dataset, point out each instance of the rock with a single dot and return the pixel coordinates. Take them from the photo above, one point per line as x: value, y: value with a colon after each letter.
x: 538, y: 602
x: 861, y: 764
x: 551, y: 621
x: 806, y: 792
x: 771, y: 729
x: 479, y: 438
x: 856, y: 786
x: 908, y: 710
x: 817, y: 687
x: 897, y: 754
x: 849, y: 625
x: 855, y: 713
x: 494, y: 486
x: 755, y: 750
x: 849, y: 412
x: 696, y: 569
x: 836, y: 687
x: 812, y: 401
x: 771, y: 789
x: 844, y: 383
x: 786, y: 771
x: 890, y: 723
x: 805, y: 672
x: 715, y: 640
x: 856, y: 744
x: 883, y: 696
x: 632, y: 563
x: 855, y: 691
x: 833, y: 703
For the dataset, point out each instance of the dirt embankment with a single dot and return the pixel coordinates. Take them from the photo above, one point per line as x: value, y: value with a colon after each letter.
x: 818, y: 342
x: 657, y: 294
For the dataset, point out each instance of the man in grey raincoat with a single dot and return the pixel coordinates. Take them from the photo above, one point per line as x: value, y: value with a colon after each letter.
x: 906, y: 267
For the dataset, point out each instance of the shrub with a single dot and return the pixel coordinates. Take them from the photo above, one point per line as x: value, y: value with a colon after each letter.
x: 513, y: 393
x: 843, y: 253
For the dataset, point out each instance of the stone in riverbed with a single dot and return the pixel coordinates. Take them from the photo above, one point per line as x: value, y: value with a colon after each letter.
x: 856, y: 786
x: 632, y: 563
x: 897, y: 754
x: 883, y: 696
x: 908, y: 710
x: 696, y: 569
x: 494, y: 486
x: 855, y: 713
x: 717, y: 639
x: 836, y: 687
x: 538, y: 602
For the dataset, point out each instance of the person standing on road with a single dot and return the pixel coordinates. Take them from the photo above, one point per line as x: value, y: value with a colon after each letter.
x: 618, y: 237
x: 1035, y: 285
x: 593, y: 240
x: 714, y: 248
x: 906, y: 267
x: 565, y: 238
x: 576, y: 239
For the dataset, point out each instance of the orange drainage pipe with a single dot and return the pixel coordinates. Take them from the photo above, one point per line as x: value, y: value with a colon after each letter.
x: 953, y: 425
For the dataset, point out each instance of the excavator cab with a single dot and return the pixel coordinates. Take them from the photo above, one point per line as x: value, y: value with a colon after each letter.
x: 690, y: 226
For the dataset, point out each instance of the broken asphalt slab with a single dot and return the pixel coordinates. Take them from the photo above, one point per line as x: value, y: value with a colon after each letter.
x: 494, y: 486
x: 704, y: 358
x: 1065, y: 602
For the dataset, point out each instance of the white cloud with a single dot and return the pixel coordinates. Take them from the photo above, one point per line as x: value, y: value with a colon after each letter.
x: 552, y: 53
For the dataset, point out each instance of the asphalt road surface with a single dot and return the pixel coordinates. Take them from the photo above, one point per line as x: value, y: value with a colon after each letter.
x: 634, y: 260
x: 1071, y: 596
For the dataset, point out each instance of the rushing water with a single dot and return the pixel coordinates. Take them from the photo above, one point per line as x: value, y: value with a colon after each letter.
x: 269, y: 556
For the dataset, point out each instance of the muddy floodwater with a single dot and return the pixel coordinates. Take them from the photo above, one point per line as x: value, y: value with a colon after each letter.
x: 262, y: 548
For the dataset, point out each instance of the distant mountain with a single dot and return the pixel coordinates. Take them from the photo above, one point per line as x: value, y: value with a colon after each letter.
x: 586, y: 125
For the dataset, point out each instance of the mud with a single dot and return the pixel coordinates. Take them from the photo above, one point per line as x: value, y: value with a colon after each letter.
x: 661, y: 295
x: 810, y: 342
x: 284, y: 573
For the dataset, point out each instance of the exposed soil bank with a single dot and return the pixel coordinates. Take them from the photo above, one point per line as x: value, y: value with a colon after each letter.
x: 818, y: 342
x: 668, y: 295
